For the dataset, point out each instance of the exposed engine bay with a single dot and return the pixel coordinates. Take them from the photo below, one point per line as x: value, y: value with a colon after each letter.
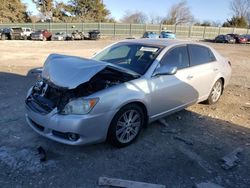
x: 46, y: 96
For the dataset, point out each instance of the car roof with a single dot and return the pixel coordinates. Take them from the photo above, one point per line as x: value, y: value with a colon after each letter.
x: 161, y: 42
x: 150, y: 32
x: 166, y: 32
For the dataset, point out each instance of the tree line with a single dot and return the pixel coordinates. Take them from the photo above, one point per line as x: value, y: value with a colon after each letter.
x: 96, y: 11
x: 51, y: 10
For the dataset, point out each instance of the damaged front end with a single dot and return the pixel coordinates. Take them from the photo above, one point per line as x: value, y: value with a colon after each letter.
x: 66, y: 79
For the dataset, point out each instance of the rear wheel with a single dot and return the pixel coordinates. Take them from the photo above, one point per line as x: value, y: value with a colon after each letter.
x: 126, y: 125
x: 215, y: 93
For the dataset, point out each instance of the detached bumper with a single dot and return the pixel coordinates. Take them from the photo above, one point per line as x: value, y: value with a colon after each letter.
x: 89, y: 128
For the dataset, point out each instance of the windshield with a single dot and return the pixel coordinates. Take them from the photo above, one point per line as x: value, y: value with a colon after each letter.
x: 136, y: 57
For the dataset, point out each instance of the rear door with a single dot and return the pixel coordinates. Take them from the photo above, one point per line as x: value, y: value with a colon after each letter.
x: 202, y: 69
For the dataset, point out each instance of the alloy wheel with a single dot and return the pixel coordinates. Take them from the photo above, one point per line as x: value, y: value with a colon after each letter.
x: 216, y: 91
x: 128, y: 126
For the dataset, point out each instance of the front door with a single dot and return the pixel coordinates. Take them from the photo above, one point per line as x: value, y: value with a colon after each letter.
x: 172, y: 92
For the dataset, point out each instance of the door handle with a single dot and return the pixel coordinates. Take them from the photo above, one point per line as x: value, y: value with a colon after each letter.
x: 215, y: 69
x: 189, y: 77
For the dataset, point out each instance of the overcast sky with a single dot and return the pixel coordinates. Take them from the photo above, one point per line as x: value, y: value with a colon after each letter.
x: 212, y: 10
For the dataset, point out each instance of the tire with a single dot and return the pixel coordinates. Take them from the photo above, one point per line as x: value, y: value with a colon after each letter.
x: 215, y: 93
x: 126, y: 125
x: 3, y: 37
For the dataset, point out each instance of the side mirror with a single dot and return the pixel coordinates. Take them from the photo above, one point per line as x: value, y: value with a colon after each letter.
x: 165, y: 70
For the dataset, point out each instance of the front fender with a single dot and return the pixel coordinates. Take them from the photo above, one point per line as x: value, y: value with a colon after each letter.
x: 114, y: 98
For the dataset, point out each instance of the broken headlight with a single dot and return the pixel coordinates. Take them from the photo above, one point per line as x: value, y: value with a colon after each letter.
x: 79, y: 106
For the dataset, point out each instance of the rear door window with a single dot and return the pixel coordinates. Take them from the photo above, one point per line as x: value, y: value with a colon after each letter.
x: 200, y: 55
x: 176, y: 57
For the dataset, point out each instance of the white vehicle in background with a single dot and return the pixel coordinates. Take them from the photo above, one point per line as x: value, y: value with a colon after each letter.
x: 59, y: 36
x: 21, y: 33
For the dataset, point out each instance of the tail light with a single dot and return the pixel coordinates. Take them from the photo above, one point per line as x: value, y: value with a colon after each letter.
x: 229, y: 63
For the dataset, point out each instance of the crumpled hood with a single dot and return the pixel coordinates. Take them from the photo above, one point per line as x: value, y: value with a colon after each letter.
x: 70, y: 71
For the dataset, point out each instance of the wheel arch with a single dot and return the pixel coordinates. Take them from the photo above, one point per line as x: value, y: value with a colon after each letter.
x: 208, y: 100
x: 144, y: 108
x: 219, y: 77
x: 223, y: 83
x: 141, y: 104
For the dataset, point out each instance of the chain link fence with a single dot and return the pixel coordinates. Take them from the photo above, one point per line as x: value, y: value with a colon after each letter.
x: 121, y: 30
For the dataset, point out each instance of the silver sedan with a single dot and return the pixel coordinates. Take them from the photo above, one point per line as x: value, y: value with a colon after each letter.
x: 129, y: 84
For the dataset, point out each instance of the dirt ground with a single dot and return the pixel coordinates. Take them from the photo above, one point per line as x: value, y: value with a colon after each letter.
x: 185, y: 152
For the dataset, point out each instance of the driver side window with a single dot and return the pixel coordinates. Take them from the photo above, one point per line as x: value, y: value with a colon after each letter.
x: 176, y: 57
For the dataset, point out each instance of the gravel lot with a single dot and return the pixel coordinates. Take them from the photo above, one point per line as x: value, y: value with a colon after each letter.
x: 185, y: 152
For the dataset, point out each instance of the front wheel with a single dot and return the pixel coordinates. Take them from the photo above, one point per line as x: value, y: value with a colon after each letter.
x: 126, y: 125
x: 3, y: 37
x: 215, y: 93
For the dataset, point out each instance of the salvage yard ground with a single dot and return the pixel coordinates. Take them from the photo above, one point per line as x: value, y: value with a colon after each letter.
x: 186, y: 151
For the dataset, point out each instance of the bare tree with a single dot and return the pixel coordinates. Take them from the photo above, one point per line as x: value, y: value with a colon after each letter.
x: 240, y: 8
x: 179, y: 14
x: 155, y: 19
x: 216, y: 23
x: 45, y: 7
x: 248, y: 17
x: 134, y: 17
